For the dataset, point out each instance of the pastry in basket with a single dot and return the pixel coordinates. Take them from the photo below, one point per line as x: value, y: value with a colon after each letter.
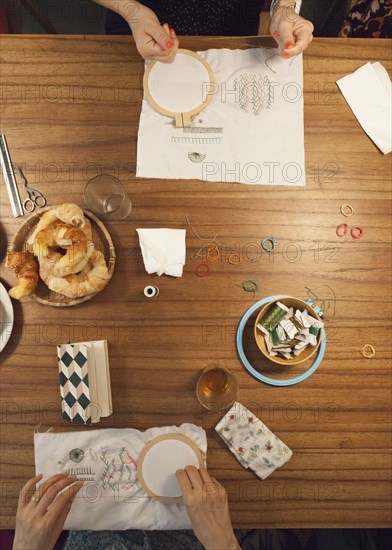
x: 66, y: 213
x: 91, y: 279
x: 66, y: 236
x: 25, y: 266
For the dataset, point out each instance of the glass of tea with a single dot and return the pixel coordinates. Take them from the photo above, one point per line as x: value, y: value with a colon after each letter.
x: 216, y: 388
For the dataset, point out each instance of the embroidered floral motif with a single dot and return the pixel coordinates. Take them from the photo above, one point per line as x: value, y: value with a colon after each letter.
x: 250, y: 419
x: 268, y: 446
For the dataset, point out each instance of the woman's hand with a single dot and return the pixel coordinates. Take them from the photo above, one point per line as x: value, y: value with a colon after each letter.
x: 42, y: 512
x: 206, y: 503
x: 292, y: 32
x: 155, y: 42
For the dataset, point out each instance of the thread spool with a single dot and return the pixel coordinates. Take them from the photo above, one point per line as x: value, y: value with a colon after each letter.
x: 151, y: 291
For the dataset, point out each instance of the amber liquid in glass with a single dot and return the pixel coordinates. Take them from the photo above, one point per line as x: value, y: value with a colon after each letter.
x: 216, y: 389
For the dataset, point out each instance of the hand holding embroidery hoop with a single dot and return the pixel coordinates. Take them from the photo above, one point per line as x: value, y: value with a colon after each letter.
x: 181, y: 89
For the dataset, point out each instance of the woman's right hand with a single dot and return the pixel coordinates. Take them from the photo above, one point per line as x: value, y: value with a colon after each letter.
x: 206, y: 503
x: 155, y: 42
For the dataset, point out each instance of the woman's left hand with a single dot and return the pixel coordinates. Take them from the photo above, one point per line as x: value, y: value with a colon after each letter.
x: 292, y: 32
x: 42, y: 512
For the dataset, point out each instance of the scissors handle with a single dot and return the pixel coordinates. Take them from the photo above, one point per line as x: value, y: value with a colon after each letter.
x: 28, y: 205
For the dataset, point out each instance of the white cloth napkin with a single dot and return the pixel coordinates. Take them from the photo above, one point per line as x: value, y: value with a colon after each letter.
x: 252, y: 443
x: 97, y: 506
x: 369, y: 94
x: 163, y: 250
x: 251, y: 132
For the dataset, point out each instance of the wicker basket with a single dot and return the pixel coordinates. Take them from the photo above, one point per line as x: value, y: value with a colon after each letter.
x: 102, y: 242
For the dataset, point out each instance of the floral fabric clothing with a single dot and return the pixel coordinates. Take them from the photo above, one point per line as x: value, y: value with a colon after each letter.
x: 369, y: 19
x: 253, y: 444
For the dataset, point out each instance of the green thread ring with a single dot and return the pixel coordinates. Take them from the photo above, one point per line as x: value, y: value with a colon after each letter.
x: 268, y: 240
x: 247, y: 288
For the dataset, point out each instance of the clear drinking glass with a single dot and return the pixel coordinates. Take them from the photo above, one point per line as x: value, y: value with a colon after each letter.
x: 216, y: 388
x: 105, y: 196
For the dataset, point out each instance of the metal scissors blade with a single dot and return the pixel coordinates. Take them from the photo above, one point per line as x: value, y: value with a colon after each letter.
x: 34, y: 197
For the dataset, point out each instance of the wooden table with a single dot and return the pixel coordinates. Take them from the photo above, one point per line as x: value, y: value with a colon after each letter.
x: 70, y: 107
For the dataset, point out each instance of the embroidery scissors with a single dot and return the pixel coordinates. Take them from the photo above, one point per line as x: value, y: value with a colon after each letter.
x: 34, y: 197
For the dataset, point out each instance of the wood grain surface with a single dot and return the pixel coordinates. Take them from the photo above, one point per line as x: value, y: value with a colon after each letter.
x: 70, y: 108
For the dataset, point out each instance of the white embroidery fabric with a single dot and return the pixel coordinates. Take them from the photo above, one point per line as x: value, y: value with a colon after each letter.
x: 112, y: 497
x: 253, y: 444
x: 251, y: 132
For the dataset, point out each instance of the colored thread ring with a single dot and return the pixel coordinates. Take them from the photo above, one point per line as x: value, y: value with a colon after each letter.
x: 202, y: 273
x: 347, y: 210
x: 247, y: 288
x: 339, y: 232
x: 234, y: 259
x: 368, y: 351
x: 357, y: 232
x: 257, y: 374
x: 267, y: 248
x: 213, y: 253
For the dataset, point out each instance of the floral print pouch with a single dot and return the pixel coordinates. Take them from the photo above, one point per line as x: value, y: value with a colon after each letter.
x: 253, y: 444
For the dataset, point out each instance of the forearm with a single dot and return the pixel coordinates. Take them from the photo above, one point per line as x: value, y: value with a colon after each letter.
x: 128, y: 9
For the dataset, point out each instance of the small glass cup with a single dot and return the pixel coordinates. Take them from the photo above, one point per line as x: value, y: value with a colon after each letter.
x: 105, y: 196
x: 216, y: 388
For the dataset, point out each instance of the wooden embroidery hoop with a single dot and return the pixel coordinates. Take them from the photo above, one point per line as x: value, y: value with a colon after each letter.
x: 181, y: 119
x: 144, y: 451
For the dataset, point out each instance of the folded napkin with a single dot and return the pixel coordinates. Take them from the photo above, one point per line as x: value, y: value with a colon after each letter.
x: 368, y: 92
x: 163, y: 250
x: 253, y: 444
x: 106, y: 460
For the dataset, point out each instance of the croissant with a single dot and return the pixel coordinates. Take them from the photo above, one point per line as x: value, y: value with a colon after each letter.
x: 91, y: 279
x: 24, y: 265
x: 66, y: 213
x: 66, y: 236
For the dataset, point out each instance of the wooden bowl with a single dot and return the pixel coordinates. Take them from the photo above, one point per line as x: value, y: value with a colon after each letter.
x: 102, y: 242
x: 308, y: 352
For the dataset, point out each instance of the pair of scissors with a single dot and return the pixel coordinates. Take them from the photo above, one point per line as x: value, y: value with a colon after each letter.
x: 34, y: 197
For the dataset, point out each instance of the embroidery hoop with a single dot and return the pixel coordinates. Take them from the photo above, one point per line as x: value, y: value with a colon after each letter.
x: 144, y: 452
x: 182, y: 118
x: 256, y: 373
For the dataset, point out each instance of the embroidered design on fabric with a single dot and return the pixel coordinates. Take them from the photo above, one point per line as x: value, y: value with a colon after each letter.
x: 76, y: 455
x: 120, y: 469
x: 81, y: 474
x: 200, y: 130
x: 255, y: 92
x: 195, y: 140
x: 196, y: 157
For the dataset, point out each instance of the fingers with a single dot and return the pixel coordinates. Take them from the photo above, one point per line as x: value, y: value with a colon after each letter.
x: 28, y: 490
x: 184, y: 482
x: 285, y: 38
x: 205, y: 476
x: 50, y: 490
x: 60, y: 507
x: 163, y: 44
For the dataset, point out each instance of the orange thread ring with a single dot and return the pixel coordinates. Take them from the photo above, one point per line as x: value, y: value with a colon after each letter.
x: 341, y: 230
x: 231, y: 259
x: 204, y: 272
x: 213, y: 253
x: 357, y: 232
